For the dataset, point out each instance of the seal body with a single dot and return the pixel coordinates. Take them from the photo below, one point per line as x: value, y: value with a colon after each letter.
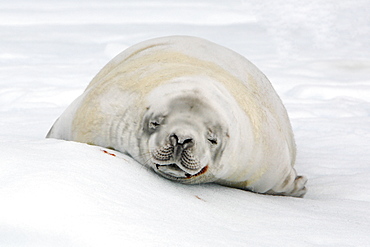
x: 193, y: 111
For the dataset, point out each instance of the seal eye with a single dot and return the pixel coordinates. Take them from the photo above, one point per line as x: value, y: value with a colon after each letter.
x: 153, y: 125
x: 213, y: 141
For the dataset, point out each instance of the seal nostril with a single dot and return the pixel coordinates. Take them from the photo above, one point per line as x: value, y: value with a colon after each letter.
x: 174, y: 139
x: 179, y: 140
x: 187, y: 143
x: 189, y: 140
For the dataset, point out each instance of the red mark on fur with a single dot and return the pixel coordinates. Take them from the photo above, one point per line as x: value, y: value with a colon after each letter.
x: 204, y: 170
x: 105, y: 151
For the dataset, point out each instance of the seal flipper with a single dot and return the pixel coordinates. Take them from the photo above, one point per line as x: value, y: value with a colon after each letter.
x: 297, y: 188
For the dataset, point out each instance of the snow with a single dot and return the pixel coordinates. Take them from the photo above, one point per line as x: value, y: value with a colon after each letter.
x: 57, y: 193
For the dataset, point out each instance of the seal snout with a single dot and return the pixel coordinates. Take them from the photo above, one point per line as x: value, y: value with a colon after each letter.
x: 177, y: 158
x: 183, y: 151
x: 180, y: 144
x: 185, y: 141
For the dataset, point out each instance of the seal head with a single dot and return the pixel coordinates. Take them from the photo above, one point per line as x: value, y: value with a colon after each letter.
x: 186, y: 139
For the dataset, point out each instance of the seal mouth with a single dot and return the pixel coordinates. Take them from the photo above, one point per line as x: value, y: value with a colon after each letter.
x: 175, y: 172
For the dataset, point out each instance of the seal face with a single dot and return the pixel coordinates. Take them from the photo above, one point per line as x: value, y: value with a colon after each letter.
x: 184, y: 139
x: 193, y: 111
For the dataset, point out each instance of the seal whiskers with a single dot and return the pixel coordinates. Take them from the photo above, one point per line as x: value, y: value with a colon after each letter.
x: 163, y: 153
x: 189, y: 161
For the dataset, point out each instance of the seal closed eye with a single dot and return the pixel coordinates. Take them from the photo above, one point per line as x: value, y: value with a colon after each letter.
x: 193, y: 111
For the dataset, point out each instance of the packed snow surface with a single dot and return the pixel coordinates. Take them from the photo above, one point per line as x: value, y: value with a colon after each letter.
x: 58, y: 193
